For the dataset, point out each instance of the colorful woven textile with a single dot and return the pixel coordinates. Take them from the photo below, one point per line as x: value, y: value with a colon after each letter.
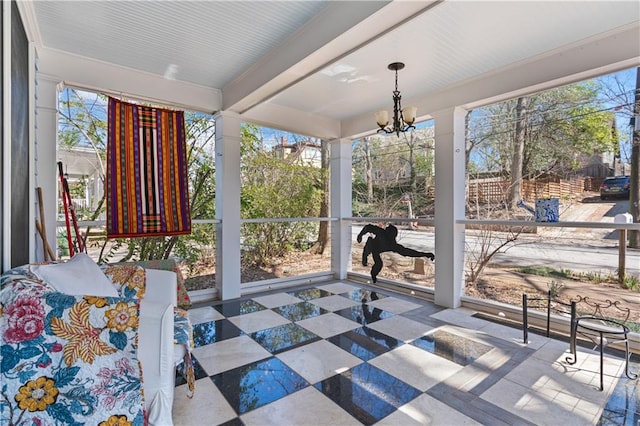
x: 147, y: 187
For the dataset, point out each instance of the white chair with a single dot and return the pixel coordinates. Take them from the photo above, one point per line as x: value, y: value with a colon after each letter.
x: 156, y: 350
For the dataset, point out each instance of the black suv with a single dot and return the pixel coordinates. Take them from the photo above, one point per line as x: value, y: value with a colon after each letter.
x: 618, y: 186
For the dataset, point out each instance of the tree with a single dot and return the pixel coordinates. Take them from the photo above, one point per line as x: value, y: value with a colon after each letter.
x: 273, y: 187
x: 634, y: 194
x: 515, y: 189
x: 557, y: 127
x: 389, y: 171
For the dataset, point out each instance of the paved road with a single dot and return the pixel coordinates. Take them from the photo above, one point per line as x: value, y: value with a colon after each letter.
x: 579, y: 255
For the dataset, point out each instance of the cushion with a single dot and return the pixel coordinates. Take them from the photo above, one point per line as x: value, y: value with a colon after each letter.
x: 78, y: 276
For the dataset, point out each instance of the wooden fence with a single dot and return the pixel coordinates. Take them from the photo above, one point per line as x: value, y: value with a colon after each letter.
x: 488, y: 191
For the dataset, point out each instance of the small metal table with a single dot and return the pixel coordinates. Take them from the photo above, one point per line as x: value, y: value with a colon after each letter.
x: 602, y: 332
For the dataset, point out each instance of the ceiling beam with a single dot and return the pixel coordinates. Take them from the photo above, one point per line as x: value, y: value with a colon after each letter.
x: 341, y: 28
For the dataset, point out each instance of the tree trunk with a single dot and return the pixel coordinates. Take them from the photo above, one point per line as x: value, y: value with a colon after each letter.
x: 515, y: 189
x: 367, y: 170
x: 412, y: 162
x: 634, y: 194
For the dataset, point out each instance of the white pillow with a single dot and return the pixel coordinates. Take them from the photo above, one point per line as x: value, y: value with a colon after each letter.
x: 79, y: 276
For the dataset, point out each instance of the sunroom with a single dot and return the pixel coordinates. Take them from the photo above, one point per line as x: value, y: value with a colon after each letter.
x: 320, y: 69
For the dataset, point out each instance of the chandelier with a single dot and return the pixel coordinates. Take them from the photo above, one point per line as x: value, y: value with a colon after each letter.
x: 403, y: 119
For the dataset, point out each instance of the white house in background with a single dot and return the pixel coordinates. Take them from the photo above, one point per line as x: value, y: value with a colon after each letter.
x: 84, y: 164
x: 305, y: 153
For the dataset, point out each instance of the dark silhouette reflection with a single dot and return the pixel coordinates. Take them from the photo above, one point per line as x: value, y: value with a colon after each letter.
x: 455, y: 348
x: 367, y: 393
x: 363, y: 296
x: 364, y: 314
x: 254, y: 385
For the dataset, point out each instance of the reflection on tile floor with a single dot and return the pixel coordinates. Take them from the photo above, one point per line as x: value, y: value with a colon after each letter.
x: 342, y: 353
x: 458, y: 349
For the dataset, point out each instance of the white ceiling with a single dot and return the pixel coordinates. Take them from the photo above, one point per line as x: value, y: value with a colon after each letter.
x: 325, y: 59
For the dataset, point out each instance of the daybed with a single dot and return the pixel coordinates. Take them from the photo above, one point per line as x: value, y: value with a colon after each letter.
x: 83, y: 344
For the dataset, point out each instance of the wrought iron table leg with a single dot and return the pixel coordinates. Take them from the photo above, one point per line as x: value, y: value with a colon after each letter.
x: 572, y: 344
x: 601, y: 362
x: 630, y: 375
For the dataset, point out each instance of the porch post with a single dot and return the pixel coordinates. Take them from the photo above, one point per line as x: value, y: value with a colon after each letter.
x: 449, y: 206
x: 46, y: 172
x: 228, y: 204
x: 340, y: 206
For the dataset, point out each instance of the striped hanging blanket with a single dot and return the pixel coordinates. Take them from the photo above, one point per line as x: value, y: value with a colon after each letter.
x: 147, y: 187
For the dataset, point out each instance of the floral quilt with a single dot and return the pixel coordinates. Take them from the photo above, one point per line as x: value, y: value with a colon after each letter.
x: 69, y: 359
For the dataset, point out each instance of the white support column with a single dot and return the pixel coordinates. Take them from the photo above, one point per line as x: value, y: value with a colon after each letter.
x: 46, y: 171
x: 228, y: 204
x: 449, y: 206
x: 5, y: 128
x: 340, y: 205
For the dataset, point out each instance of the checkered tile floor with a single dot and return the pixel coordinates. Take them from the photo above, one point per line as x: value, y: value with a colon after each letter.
x: 343, y: 354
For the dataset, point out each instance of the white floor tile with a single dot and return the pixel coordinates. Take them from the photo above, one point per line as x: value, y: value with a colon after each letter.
x: 401, y: 328
x: 552, y: 378
x: 207, y: 403
x: 338, y: 288
x: 415, y: 366
x: 552, y: 350
x: 426, y: 410
x: 328, y: 325
x: 227, y: 354
x: 319, y: 360
x: 261, y: 320
x: 514, y: 335
x: 205, y: 314
x: 461, y: 317
x: 305, y: 407
x: 394, y: 305
x: 275, y: 300
x: 535, y: 406
x: 334, y: 303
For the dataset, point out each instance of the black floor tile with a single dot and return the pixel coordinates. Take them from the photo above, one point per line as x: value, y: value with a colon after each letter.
x: 214, y: 331
x: 367, y: 393
x: 365, y: 343
x: 254, y: 385
x: 284, y: 337
x: 241, y: 307
x: 309, y: 294
x: 300, y: 311
x: 198, y: 371
x: 623, y: 407
x: 364, y: 314
x: 450, y: 346
x: 232, y: 422
x: 364, y: 296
